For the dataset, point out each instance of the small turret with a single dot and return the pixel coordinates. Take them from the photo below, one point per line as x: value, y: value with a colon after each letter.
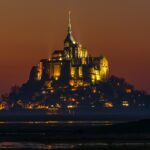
x: 36, y: 73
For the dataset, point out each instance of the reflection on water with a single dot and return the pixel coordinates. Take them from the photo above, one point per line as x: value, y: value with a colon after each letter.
x: 72, y: 123
x: 6, y: 145
x: 26, y: 145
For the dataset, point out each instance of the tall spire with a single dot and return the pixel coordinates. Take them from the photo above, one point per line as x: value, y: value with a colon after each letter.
x: 69, y: 38
x: 69, y: 24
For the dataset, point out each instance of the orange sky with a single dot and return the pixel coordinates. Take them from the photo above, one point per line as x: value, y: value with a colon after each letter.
x: 31, y: 29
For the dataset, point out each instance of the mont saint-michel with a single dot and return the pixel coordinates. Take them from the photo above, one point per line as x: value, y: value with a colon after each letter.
x: 73, y: 81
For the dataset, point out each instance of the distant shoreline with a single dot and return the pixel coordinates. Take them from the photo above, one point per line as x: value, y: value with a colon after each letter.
x: 8, y: 115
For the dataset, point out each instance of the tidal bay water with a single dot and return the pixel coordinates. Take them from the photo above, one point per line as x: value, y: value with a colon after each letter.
x: 70, y: 134
x: 92, y: 145
x: 12, y: 138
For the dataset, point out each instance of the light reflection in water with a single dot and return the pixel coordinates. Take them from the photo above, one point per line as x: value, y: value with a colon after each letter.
x: 19, y: 145
x: 25, y: 145
x: 52, y: 122
x: 29, y: 145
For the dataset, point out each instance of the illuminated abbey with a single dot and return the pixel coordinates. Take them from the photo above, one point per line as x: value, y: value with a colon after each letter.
x: 72, y: 66
x: 72, y: 81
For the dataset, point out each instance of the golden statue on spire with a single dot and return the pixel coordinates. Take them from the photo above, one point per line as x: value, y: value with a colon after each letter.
x: 69, y: 25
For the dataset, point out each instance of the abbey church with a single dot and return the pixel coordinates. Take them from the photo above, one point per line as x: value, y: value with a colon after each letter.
x: 72, y: 66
